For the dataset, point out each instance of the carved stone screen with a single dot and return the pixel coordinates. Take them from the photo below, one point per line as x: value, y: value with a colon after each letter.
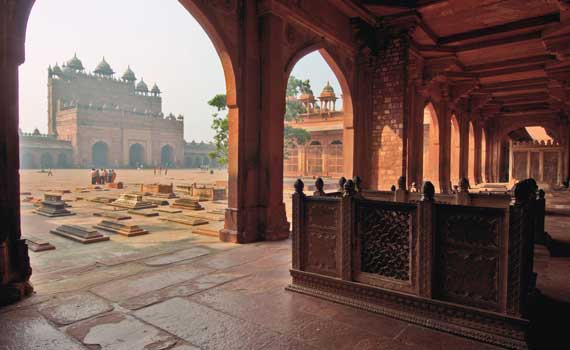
x: 468, y: 249
x: 385, y: 240
x: 551, y: 167
x: 520, y: 165
x: 321, y: 237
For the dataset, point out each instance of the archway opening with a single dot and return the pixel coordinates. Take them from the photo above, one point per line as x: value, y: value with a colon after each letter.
x: 454, y: 152
x: 484, y: 176
x: 431, y: 151
x: 315, y: 159
x: 167, y: 156
x: 46, y: 161
x: 136, y: 155
x: 27, y: 161
x: 62, y: 162
x: 100, y: 155
x: 471, y: 155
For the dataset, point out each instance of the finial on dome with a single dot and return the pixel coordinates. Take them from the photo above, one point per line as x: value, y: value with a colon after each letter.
x: 103, y: 68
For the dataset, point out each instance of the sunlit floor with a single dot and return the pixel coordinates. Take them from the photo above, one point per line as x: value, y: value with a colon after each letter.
x: 172, y: 289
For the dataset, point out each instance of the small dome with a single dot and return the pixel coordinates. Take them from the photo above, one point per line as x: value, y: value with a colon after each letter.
x: 75, y: 64
x: 141, y: 86
x: 129, y: 75
x: 307, y: 96
x: 328, y: 91
x: 155, y: 90
x: 57, y: 70
x: 36, y: 132
x: 103, y: 68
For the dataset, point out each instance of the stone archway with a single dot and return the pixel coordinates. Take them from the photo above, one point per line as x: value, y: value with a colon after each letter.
x: 28, y: 161
x: 484, y: 176
x: 100, y: 155
x: 471, y: 155
x: 431, y: 147
x: 46, y: 161
x: 136, y: 155
x: 62, y: 161
x: 167, y: 156
x: 454, y: 152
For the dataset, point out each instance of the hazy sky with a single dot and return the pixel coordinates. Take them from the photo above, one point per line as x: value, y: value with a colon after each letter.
x: 159, y: 39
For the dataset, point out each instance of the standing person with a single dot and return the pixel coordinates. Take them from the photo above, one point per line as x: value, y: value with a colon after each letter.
x: 110, y: 176
x: 49, y: 172
x: 160, y: 170
x: 93, y: 177
x: 102, y: 175
x: 113, y: 176
x: 97, y: 179
x: 154, y: 168
x: 165, y: 171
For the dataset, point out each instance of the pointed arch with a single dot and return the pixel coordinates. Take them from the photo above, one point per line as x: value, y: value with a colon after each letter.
x: 471, y: 155
x: 431, y: 145
x: 454, y: 150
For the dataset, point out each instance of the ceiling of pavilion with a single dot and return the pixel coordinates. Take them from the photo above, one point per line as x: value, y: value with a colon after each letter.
x: 511, y: 57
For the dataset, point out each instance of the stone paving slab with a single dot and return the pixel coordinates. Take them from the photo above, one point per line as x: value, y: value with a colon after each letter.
x: 181, y: 290
x: 146, y: 282
x: 28, y: 330
x: 69, y: 308
x: 117, y: 331
x: 205, y: 327
x: 179, y: 256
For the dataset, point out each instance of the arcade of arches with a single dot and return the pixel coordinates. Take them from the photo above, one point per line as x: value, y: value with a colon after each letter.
x: 482, y: 78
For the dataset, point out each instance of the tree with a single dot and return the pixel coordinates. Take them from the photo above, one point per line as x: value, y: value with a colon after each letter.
x: 221, y: 125
x: 293, y: 109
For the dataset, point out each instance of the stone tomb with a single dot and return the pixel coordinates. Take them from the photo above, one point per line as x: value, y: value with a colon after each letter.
x: 204, y: 192
x: 53, y: 206
x: 184, y: 219
x: 121, y: 228
x: 132, y: 201
x: 158, y: 190
x: 103, y: 200
x: 187, y: 203
x: 169, y: 210
x: 157, y: 201
x: 112, y: 215
x: 79, y: 233
x: 37, y: 244
x: 143, y: 212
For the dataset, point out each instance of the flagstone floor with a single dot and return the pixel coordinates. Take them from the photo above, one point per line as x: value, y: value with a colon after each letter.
x: 173, y: 289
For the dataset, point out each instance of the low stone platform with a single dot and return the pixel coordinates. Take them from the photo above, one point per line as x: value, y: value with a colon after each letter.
x: 205, y: 215
x: 53, y: 206
x: 132, y: 201
x: 168, y: 210
x: 206, y: 231
x: 112, y: 215
x: 103, y: 200
x: 143, y: 212
x: 187, y: 203
x: 184, y: 219
x: 79, y: 233
x: 37, y: 244
x: 157, y: 201
x: 121, y: 228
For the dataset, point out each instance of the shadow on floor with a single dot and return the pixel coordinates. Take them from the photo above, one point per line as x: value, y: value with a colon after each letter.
x: 549, y: 326
x: 557, y: 248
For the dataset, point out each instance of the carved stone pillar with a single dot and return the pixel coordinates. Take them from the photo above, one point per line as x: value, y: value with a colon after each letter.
x: 444, y: 144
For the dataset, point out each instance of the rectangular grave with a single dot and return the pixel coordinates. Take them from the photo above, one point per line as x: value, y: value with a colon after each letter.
x: 121, y: 228
x: 205, y: 215
x: 187, y: 203
x: 132, y: 201
x: 204, y: 192
x: 169, y: 210
x: 206, y: 231
x: 112, y: 215
x: 38, y: 245
x: 79, y: 233
x: 52, y: 206
x: 143, y: 212
x: 157, y: 201
x: 104, y: 200
x: 184, y: 219
x: 158, y: 190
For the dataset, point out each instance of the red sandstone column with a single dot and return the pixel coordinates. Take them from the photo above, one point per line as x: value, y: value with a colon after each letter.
x: 444, y: 145
x: 273, y: 83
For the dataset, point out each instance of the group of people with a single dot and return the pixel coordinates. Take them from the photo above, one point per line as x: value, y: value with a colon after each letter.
x: 102, y: 176
x: 160, y: 170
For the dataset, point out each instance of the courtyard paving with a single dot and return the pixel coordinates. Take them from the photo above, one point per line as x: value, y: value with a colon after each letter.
x: 174, y: 289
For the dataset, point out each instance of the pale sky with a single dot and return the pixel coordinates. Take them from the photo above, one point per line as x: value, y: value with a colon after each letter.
x: 159, y: 39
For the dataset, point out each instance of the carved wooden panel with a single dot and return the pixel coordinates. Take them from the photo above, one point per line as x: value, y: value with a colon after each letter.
x: 321, y: 236
x: 469, y: 241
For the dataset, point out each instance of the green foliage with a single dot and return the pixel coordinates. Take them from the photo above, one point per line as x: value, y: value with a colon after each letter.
x: 221, y: 126
x: 293, y: 109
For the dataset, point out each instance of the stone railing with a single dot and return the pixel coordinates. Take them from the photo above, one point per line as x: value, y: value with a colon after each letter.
x: 460, y: 263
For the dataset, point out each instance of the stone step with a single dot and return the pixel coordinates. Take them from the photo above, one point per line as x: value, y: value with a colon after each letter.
x: 205, y: 215
x: 143, y: 212
x: 187, y: 203
x: 104, y: 200
x: 121, y: 228
x: 82, y: 234
x: 168, y: 210
x: 157, y: 201
x: 112, y: 215
x: 184, y: 219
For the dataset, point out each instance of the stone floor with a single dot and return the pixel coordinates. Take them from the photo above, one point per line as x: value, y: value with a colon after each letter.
x: 173, y: 289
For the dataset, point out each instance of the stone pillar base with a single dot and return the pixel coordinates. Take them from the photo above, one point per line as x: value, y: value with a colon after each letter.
x: 277, y: 225
x: 240, y: 226
x: 15, y: 272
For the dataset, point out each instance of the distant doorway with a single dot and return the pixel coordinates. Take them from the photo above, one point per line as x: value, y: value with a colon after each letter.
x: 136, y: 155
x: 167, y: 156
x: 100, y: 155
x: 47, y: 161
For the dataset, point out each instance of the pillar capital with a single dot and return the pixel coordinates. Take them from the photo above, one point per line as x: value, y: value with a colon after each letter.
x: 13, y: 21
